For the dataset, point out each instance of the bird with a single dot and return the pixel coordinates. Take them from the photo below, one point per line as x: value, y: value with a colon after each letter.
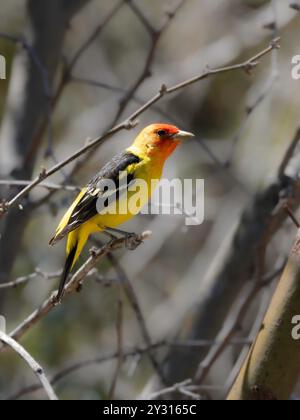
x: 143, y: 160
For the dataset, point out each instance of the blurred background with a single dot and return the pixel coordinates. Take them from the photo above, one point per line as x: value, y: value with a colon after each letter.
x: 69, y: 82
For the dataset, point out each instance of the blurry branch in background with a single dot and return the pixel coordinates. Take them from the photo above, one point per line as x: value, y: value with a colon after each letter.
x: 131, y: 121
x: 67, y: 76
x: 155, y: 35
x: 133, y: 300
x: 289, y: 154
x: 239, y: 255
x: 234, y: 326
x: 47, y: 185
x: 272, y: 368
x: 120, y: 350
x: 26, y: 121
x: 34, y: 366
x: 187, y: 389
x: 127, y: 354
x: 294, y: 5
x: 74, y: 284
x: 86, y: 44
x: 179, y: 387
x: 94, y: 273
x: 25, y: 279
x: 45, y: 80
x: 251, y: 108
x: 117, y: 89
x: 265, y: 90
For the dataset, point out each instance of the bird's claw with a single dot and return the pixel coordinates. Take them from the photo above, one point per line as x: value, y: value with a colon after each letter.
x: 132, y: 241
x: 56, y: 299
x: 93, y: 251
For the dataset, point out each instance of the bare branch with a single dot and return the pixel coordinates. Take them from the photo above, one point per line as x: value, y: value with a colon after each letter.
x: 25, y: 279
x: 131, y: 296
x: 234, y: 325
x: 47, y: 185
x: 171, y: 389
x: 146, y: 72
x: 93, y: 36
x: 138, y: 12
x: 289, y: 154
x: 119, y: 329
x: 34, y: 366
x: 291, y: 215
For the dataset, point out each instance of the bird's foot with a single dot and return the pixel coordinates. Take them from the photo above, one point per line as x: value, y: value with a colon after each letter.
x: 56, y: 299
x: 132, y: 240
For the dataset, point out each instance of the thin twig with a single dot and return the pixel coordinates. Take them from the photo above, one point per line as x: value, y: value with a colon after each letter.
x: 264, y: 92
x: 161, y: 112
x: 146, y: 71
x: 138, y: 12
x: 85, y: 45
x: 233, y: 327
x: 169, y: 390
x: 119, y: 329
x: 47, y: 91
x: 133, y: 300
x: 47, y: 185
x: 34, y: 366
x: 289, y: 154
x: 292, y: 215
x: 25, y: 279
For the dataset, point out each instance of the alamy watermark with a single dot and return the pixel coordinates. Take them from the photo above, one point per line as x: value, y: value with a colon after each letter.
x: 296, y: 67
x: 296, y: 328
x: 175, y: 197
x: 2, y: 67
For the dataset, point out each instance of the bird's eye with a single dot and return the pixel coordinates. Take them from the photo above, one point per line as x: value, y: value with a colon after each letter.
x: 162, y: 133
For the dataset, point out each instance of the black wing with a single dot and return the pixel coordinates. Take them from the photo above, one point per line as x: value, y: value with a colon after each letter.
x: 87, y: 206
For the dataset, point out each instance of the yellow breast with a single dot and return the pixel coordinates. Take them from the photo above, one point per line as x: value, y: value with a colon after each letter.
x: 146, y: 178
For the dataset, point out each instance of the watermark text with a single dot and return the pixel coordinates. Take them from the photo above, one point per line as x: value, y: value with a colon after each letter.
x: 296, y: 329
x: 170, y: 197
x: 296, y: 67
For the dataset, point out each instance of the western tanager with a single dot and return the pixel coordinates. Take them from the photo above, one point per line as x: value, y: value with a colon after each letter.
x: 143, y: 160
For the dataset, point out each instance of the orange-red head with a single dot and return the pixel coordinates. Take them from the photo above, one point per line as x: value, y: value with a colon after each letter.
x: 159, y: 140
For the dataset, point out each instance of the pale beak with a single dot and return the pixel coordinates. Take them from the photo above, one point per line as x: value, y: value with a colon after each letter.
x: 183, y: 135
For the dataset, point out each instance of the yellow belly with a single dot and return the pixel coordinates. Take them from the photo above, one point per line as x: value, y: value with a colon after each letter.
x: 130, y: 204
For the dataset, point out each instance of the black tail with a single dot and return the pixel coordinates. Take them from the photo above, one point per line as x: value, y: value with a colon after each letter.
x: 66, y: 272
